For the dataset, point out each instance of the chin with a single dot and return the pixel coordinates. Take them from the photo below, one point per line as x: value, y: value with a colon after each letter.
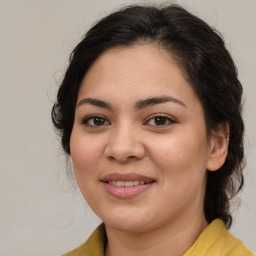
x: 128, y: 227
x: 127, y: 223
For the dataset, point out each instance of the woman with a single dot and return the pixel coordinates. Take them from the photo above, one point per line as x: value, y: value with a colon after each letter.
x: 150, y: 112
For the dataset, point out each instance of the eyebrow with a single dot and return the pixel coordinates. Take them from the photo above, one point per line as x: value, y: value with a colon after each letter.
x: 95, y: 102
x: 157, y: 100
x: 138, y: 106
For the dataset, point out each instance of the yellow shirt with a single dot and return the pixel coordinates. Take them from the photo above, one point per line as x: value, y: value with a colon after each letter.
x: 214, y: 241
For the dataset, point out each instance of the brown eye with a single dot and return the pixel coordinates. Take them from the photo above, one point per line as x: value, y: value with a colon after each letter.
x: 160, y: 121
x: 95, y: 121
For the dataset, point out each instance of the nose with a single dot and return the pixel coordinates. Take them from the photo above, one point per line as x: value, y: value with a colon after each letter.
x: 124, y: 144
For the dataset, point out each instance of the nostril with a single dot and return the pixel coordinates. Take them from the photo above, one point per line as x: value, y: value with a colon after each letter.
x: 121, y: 158
x: 131, y: 157
x: 124, y: 151
x: 111, y: 158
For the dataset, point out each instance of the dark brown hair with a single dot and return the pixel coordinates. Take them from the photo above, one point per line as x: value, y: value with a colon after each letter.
x: 207, y: 65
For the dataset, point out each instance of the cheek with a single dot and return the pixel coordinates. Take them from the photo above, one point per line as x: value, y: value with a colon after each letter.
x: 182, y: 170
x: 170, y: 152
x: 180, y: 155
x: 85, y: 154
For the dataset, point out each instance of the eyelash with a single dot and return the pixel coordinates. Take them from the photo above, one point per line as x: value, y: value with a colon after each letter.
x: 93, y: 119
x: 104, y: 121
x: 167, y: 120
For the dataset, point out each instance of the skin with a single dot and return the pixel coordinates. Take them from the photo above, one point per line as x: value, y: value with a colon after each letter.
x: 168, y: 216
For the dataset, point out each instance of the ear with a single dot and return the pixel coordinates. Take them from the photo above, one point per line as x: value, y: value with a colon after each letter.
x: 218, y: 147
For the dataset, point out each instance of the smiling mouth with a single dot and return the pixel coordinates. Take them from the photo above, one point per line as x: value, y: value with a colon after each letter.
x: 126, y: 185
x: 131, y: 183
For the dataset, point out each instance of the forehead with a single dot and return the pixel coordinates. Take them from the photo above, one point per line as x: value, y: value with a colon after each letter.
x: 138, y: 71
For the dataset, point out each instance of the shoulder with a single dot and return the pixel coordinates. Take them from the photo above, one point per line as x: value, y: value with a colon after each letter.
x: 216, y: 240
x: 94, y: 246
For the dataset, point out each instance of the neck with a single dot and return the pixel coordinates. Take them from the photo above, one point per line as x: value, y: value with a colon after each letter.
x: 171, y: 239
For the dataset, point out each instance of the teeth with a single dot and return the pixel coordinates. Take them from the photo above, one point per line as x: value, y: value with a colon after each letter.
x: 120, y: 183
x: 126, y: 183
x: 136, y: 183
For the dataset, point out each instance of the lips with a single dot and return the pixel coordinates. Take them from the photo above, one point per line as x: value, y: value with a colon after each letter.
x: 126, y: 177
x: 124, y: 186
x: 130, y: 183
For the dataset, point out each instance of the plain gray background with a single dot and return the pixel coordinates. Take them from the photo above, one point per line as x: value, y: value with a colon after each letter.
x: 41, y: 214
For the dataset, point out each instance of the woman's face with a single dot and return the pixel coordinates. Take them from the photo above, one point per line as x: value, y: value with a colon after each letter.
x: 139, y: 143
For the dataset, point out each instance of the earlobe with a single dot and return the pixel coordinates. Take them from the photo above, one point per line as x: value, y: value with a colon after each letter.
x: 218, y: 147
